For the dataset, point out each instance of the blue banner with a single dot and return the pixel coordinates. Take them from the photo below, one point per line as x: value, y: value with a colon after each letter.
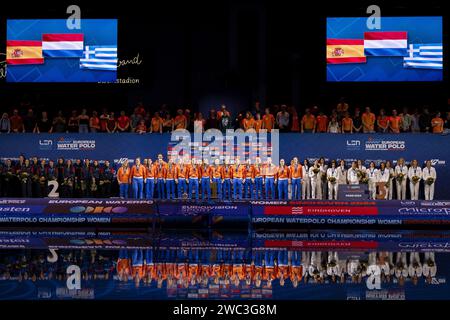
x: 118, y: 147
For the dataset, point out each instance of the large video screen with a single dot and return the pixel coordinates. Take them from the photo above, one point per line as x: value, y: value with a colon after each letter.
x: 403, y: 49
x: 48, y: 51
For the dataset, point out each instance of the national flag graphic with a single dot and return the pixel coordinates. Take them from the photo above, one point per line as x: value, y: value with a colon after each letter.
x: 424, y: 56
x: 297, y: 210
x: 24, y: 52
x: 386, y: 44
x: 62, y: 45
x: 99, y: 58
x: 345, y: 51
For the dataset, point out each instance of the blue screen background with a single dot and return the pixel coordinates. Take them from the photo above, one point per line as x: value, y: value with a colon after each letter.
x: 96, y: 32
x: 420, y: 30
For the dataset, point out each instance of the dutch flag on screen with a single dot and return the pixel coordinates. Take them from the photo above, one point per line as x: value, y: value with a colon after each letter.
x: 387, y: 44
x: 62, y: 45
x: 424, y: 56
x: 99, y: 58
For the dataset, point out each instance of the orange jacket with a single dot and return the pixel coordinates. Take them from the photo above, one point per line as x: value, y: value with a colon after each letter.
x: 194, y: 171
x: 138, y: 172
x: 216, y: 172
x: 183, y: 171
x: 257, y: 171
x: 283, y: 172
x: 205, y: 172
x: 296, y: 172
x: 270, y: 171
x: 124, y: 175
x: 150, y: 172
x: 160, y: 170
x: 248, y: 172
x: 227, y: 172
x: 237, y: 173
x: 171, y: 171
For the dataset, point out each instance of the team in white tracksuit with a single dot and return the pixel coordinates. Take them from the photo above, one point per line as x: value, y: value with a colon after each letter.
x: 401, y: 168
x: 384, y: 177
x: 391, y: 180
x: 332, y: 172
x: 401, y: 266
x: 372, y: 174
x: 342, y: 173
x: 414, y: 176
x: 323, y: 180
x: 352, y: 174
x: 306, y: 181
x: 316, y: 189
x: 427, y: 173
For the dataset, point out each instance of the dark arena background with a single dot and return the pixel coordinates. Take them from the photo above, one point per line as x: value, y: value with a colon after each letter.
x: 248, y: 152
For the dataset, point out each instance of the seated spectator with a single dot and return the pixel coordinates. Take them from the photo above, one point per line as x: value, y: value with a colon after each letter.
x: 94, y: 122
x: 141, y: 128
x: 406, y: 120
x: 180, y: 120
x: 395, y: 122
x: 111, y: 125
x: 308, y: 123
x: 368, y: 121
x: 295, y: 123
x: 341, y: 108
x: 44, y: 125
x: 135, y: 119
x: 415, y: 119
x: 347, y: 124
x: 123, y: 123
x: 148, y: 120
x: 333, y: 126
x: 282, y: 119
x: 16, y: 122
x: 5, y: 123
x: 239, y: 121
x: 437, y: 123
x: 225, y: 122
x: 258, y: 122
x: 425, y: 120
x: 29, y: 121
x: 168, y: 123
x: 59, y: 123
x: 248, y: 122
x: 321, y: 123
x: 104, y: 120
x: 268, y: 120
x: 223, y: 110
x: 156, y: 124
x: 189, y: 122
x: 212, y: 122
x: 83, y: 122
x: 382, y: 122
x: 447, y: 123
x: 73, y: 124
x: 199, y: 123
x: 357, y: 121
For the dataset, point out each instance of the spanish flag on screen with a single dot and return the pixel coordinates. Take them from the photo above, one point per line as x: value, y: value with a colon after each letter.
x: 24, y: 52
x: 345, y: 51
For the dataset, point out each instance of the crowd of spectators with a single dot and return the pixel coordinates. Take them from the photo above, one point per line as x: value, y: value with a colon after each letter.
x: 342, y: 119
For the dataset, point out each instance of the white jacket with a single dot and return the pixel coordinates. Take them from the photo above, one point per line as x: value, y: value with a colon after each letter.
x: 372, y: 174
x: 429, y: 173
x: 417, y: 171
x: 383, y: 175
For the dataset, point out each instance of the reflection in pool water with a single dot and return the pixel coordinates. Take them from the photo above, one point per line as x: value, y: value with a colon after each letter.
x: 328, y: 264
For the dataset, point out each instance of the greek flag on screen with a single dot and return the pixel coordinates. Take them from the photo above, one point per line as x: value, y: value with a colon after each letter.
x: 99, y: 58
x: 424, y: 56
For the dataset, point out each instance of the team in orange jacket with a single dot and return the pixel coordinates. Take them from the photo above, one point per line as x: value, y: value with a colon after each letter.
x: 175, y: 179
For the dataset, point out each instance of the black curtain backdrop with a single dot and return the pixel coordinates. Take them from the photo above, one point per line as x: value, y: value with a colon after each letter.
x: 201, y: 54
